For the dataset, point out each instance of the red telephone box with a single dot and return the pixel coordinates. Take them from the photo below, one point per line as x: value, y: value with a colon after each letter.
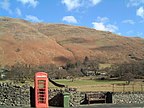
x: 41, y: 90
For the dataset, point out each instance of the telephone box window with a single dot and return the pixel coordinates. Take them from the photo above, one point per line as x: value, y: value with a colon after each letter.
x: 41, y: 84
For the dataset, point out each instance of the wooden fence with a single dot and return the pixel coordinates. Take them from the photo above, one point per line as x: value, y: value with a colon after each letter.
x: 113, y: 88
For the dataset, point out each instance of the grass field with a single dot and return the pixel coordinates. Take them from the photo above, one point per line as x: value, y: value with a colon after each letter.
x: 100, y: 85
x: 86, y: 82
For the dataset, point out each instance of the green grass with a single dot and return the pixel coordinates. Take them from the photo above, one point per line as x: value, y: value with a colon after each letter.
x: 86, y: 82
x: 100, y: 85
x: 88, y: 85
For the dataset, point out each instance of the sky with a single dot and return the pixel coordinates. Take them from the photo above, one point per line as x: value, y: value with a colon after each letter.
x: 122, y: 17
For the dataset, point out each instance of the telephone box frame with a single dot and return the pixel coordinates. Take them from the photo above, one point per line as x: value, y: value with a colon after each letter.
x: 41, y: 90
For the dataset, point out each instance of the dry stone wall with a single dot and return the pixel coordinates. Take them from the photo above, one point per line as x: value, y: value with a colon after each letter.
x: 128, y: 98
x: 14, y: 95
x: 23, y: 96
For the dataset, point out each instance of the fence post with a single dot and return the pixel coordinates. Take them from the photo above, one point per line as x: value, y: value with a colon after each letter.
x: 141, y: 88
x: 112, y: 87
x: 123, y: 87
x: 133, y: 87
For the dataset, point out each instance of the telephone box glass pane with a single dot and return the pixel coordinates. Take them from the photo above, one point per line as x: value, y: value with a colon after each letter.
x: 41, y: 84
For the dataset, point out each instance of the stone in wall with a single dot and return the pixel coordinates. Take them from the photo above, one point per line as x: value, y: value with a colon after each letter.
x: 14, y: 95
x: 128, y: 97
x: 75, y: 97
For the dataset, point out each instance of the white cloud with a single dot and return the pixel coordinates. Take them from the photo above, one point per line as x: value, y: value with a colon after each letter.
x: 74, y: 4
x: 95, y: 2
x: 111, y: 28
x: 5, y: 5
x: 103, y: 27
x: 32, y: 18
x: 135, y: 3
x: 101, y: 24
x: 71, y: 4
x: 18, y: 12
x: 102, y: 19
x: 128, y: 21
x: 70, y: 19
x: 32, y: 3
x: 140, y: 12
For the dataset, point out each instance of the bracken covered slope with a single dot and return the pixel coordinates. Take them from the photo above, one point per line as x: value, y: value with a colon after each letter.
x: 41, y: 43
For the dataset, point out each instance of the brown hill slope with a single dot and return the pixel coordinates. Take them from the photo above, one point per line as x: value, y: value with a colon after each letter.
x: 21, y: 42
x: 39, y: 43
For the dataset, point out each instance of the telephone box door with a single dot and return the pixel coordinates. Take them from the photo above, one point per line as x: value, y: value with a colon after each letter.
x: 41, y: 90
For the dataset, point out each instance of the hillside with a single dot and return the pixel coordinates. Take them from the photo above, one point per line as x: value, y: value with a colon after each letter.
x: 41, y: 43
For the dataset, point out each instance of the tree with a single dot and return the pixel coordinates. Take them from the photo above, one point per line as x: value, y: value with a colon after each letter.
x: 86, y: 60
x: 20, y: 72
x: 128, y: 77
x: 90, y: 65
x: 127, y: 71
